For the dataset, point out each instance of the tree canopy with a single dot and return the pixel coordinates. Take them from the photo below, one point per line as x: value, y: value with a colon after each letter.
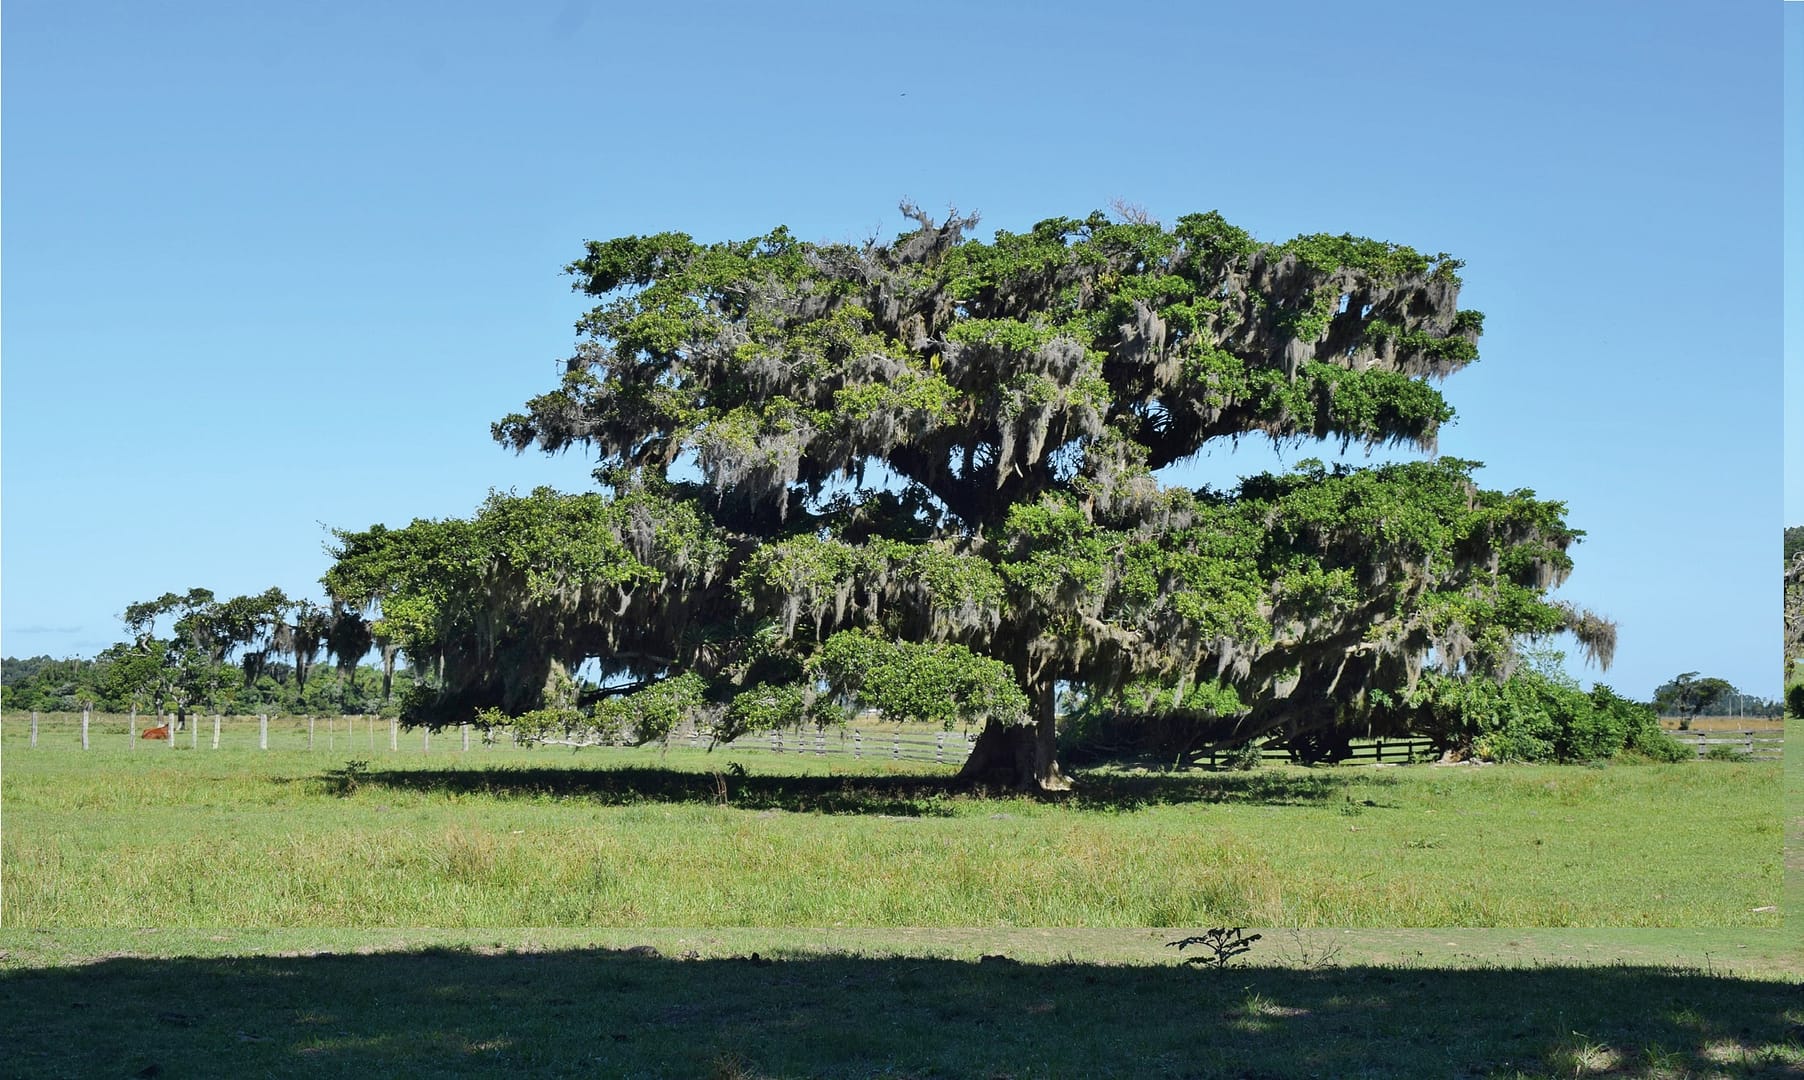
x: 924, y: 476
x: 194, y: 665
x: 1794, y: 604
x: 1688, y: 695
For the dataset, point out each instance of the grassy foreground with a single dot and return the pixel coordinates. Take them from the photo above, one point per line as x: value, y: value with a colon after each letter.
x: 240, y: 838
x: 922, y: 1002
x: 797, y: 1003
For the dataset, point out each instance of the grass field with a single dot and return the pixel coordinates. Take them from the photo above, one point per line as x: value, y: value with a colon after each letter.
x: 134, y: 994
x: 239, y: 838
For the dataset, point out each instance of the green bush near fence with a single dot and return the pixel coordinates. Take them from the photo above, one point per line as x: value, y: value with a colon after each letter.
x: 1540, y: 716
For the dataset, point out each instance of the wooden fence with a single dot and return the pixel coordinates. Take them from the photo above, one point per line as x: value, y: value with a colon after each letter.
x: 1764, y: 743
x: 1365, y: 752
x: 894, y: 742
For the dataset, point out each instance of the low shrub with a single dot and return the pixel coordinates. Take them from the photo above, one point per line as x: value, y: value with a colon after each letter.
x: 1539, y: 714
x: 1243, y: 758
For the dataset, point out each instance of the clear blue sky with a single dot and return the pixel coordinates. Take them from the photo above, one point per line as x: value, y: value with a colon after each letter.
x: 274, y: 268
x: 1794, y: 262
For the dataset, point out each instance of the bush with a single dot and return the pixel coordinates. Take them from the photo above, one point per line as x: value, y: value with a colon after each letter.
x: 1725, y: 752
x: 1540, y: 714
x: 1243, y: 758
x: 1640, y: 723
x: 1794, y: 700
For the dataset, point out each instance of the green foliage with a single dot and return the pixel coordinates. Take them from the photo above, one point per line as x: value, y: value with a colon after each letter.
x: 905, y: 680
x: 1021, y: 392
x: 1640, y: 725
x: 1244, y: 757
x: 1217, y: 948
x: 48, y: 685
x: 1384, y: 262
x: 1152, y: 697
x: 652, y: 713
x: 775, y: 705
x: 560, y: 724
x: 1539, y: 714
x: 1689, y: 696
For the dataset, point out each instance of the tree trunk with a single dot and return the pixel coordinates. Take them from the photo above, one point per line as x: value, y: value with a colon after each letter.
x: 1023, y: 757
x: 388, y: 669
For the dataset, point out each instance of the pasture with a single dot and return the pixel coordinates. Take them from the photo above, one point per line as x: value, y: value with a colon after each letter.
x: 119, y: 957
x: 118, y: 837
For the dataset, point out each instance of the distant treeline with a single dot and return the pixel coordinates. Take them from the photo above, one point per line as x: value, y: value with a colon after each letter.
x: 51, y: 685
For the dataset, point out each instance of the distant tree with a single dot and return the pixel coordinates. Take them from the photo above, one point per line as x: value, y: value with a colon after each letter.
x: 132, y: 676
x: 195, y: 667
x: 47, y: 684
x: 1687, y: 695
x: 348, y: 641
x: 302, y: 632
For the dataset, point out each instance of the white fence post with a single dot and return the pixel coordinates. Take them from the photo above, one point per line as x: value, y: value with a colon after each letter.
x: 215, y: 731
x: 394, y: 734
x: 131, y: 730
x: 820, y: 742
x: 84, y: 727
x: 425, y: 740
x: 263, y: 731
x: 857, y: 743
x: 34, y: 729
x: 169, y: 730
x: 310, y: 722
x: 939, y: 748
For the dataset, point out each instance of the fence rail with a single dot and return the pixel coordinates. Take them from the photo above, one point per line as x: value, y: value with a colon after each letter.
x: 374, y: 734
x: 1364, y: 751
x: 1754, y: 742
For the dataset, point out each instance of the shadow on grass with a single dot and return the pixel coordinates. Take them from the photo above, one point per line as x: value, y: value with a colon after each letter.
x: 594, y: 1012
x: 909, y: 796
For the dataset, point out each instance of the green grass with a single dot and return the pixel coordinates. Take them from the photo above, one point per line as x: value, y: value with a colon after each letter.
x: 793, y: 1003
x: 237, y: 838
x: 133, y: 993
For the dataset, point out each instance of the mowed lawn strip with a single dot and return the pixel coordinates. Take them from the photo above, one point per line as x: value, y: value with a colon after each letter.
x: 118, y: 838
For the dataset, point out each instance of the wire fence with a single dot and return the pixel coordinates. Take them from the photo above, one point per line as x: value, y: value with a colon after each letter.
x: 375, y: 735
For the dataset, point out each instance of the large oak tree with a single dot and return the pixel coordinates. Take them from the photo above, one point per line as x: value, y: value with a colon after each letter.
x: 927, y: 475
